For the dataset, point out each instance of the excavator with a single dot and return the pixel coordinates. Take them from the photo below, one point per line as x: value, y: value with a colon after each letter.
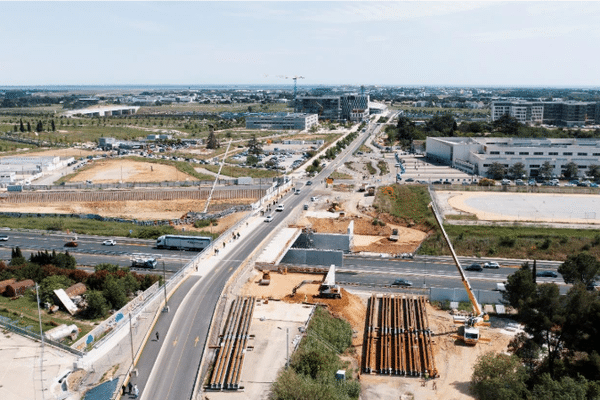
x: 479, y: 318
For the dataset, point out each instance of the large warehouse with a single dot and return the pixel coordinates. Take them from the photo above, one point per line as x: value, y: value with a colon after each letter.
x: 475, y: 155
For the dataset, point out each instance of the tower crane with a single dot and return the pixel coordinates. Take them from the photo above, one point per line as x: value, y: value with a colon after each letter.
x: 295, y: 78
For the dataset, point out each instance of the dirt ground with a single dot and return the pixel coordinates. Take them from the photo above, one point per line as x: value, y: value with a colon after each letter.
x: 115, y: 171
x: 454, y: 360
x: 142, y: 210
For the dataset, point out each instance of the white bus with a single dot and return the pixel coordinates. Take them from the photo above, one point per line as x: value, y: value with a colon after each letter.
x: 180, y: 242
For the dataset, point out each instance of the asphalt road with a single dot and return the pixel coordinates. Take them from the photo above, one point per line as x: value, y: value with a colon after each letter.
x: 174, y: 367
x: 90, y: 250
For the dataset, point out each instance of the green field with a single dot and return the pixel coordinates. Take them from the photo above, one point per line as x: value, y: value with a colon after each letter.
x: 408, y: 206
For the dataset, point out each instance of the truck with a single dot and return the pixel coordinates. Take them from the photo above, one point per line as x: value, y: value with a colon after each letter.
x: 180, y: 242
x: 143, y: 261
x: 371, y: 191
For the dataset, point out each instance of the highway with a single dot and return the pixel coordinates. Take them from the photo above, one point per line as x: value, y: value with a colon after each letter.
x: 169, y: 372
x: 90, y: 250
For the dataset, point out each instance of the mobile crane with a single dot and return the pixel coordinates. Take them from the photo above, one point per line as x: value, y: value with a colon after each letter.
x: 471, y: 332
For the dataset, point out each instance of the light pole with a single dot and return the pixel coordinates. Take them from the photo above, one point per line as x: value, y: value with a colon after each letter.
x: 37, y: 295
x: 166, y: 308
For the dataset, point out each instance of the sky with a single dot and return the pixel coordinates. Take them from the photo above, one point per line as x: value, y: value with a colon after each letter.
x: 328, y: 43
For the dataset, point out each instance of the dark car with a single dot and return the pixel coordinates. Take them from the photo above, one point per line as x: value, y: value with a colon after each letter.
x: 474, y: 267
x: 410, y: 180
x: 308, y: 183
x: 546, y: 274
x: 402, y: 282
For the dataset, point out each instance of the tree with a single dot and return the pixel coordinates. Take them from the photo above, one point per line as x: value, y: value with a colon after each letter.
x: 16, y: 257
x: 212, y: 142
x: 407, y: 132
x: 28, y: 127
x: 507, y: 125
x: 114, y: 292
x: 252, y: 160
x: 594, y: 171
x: 51, y: 283
x: 571, y: 170
x: 254, y: 147
x: 496, y: 170
x: 519, y: 287
x: 546, y: 170
x: 52, y: 125
x: 566, y: 388
x: 517, y: 170
x: 96, y: 304
x: 498, y: 377
x: 21, y: 126
x: 580, y: 268
x: 39, y: 127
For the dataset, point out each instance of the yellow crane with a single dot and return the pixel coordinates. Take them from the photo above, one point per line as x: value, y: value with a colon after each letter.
x: 471, y: 332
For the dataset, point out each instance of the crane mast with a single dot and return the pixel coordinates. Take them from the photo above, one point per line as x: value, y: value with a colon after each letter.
x: 477, y: 311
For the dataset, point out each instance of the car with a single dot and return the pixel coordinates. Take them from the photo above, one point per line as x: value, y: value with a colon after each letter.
x: 474, y: 267
x: 402, y: 282
x: 297, y: 191
x: 269, y: 218
x: 4, y: 238
x: 519, y: 182
x: 546, y: 274
x: 438, y: 182
x: 313, y: 198
x: 305, y: 206
x: 109, y: 242
x: 308, y: 183
x: 72, y: 243
x: 279, y: 208
x: 409, y: 180
x: 491, y: 264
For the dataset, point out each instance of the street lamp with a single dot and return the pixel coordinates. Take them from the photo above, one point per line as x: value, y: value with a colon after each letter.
x: 166, y: 308
x: 37, y: 295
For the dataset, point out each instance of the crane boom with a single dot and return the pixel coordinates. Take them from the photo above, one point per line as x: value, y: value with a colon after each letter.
x: 476, y: 307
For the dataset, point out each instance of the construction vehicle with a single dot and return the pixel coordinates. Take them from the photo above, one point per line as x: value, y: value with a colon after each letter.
x: 478, y: 318
x: 143, y: 261
x: 266, y: 279
x: 328, y: 287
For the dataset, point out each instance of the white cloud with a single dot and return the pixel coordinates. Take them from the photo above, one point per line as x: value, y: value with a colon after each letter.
x: 352, y: 12
x: 530, y: 33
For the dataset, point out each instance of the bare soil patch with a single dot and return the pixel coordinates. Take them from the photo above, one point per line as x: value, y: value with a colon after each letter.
x: 114, y: 171
x: 141, y: 210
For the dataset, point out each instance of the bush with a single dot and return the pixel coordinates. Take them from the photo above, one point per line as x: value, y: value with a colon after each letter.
x: 507, y: 241
x: 96, y: 305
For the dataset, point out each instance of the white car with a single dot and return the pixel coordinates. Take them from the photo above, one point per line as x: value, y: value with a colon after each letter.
x: 109, y: 242
x: 279, y: 208
x: 269, y: 218
x: 491, y: 264
x: 4, y: 238
x: 313, y: 198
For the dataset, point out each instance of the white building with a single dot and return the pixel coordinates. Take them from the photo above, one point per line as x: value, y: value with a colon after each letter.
x: 523, y: 111
x: 295, y: 121
x: 475, y: 155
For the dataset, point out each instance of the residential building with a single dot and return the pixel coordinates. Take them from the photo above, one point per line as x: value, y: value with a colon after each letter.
x: 559, y: 113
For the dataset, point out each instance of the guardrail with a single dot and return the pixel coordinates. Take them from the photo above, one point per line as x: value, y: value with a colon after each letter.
x: 25, y: 332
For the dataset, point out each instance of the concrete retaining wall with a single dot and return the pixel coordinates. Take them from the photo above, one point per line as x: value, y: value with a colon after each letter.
x: 313, y: 257
x: 459, y: 294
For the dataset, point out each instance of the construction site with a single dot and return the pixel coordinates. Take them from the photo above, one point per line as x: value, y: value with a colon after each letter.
x: 398, y: 340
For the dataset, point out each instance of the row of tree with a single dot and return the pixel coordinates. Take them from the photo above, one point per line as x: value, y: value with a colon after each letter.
x: 558, y: 356
x: 406, y: 130
x: 109, y: 287
x: 497, y: 170
x: 26, y: 127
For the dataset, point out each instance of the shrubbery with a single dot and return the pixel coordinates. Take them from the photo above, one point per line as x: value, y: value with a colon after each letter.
x: 311, y: 374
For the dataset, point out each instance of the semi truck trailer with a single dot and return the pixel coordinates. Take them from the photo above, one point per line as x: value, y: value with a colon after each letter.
x: 180, y: 242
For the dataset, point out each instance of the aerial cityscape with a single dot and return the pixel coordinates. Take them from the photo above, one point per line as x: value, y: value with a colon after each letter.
x: 299, y: 200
